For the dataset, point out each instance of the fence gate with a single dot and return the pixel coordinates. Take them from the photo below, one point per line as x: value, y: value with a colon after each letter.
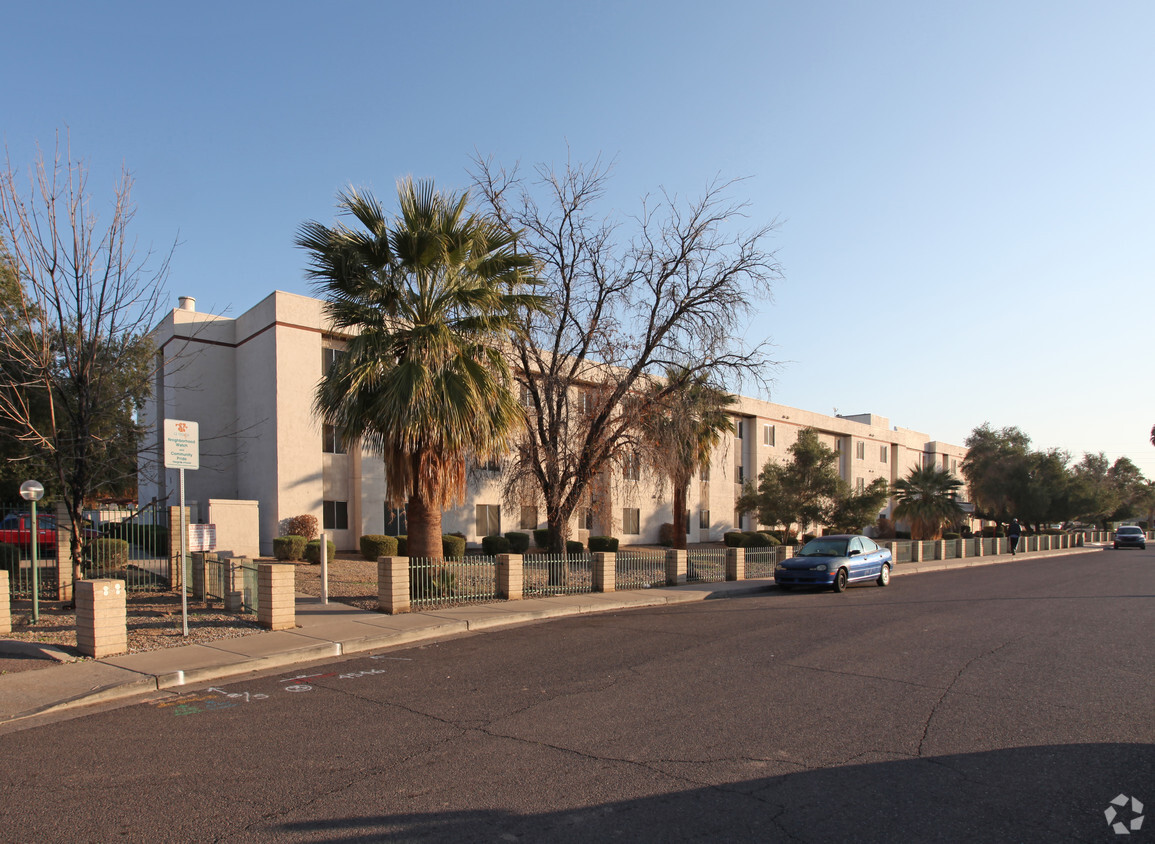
x: 132, y: 546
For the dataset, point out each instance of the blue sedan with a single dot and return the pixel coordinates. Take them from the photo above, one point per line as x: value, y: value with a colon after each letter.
x: 835, y: 561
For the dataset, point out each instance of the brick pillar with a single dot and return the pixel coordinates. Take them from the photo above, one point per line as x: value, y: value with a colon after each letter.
x: 605, y: 570
x: 735, y: 563
x: 940, y: 550
x: 962, y: 548
x: 5, y: 603
x: 233, y: 586
x: 675, y: 567
x: 787, y: 552
x: 393, y: 584
x: 101, y: 618
x: 175, y: 574
x: 276, y: 596
x: 63, y: 553
x: 915, y: 551
x: 510, y: 577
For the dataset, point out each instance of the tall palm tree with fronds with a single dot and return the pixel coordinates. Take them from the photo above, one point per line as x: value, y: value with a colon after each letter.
x: 927, y: 499
x: 428, y: 299
x: 683, y: 424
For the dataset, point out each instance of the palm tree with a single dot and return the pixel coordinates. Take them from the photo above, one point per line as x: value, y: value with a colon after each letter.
x: 686, y: 422
x: 428, y: 299
x: 927, y: 500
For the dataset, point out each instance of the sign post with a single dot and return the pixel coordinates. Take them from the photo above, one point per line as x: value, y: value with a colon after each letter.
x: 182, y: 451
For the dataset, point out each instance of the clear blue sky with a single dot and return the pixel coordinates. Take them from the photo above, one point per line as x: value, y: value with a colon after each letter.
x: 966, y: 190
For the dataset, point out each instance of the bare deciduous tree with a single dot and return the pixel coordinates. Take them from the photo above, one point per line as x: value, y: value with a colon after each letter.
x: 674, y: 294
x: 76, y: 353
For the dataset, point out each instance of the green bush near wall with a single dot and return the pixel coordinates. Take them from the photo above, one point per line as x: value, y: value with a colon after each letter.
x: 757, y: 539
x: 452, y: 546
x: 493, y: 545
x: 734, y: 539
x: 106, y: 553
x: 152, y: 538
x: 572, y: 546
x: 518, y: 542
x: 541, y: 538
x: 402, y: 546
x: 289, y: 548
x: 603, y: 544
x: 313, y: 550
x: 376, y: 545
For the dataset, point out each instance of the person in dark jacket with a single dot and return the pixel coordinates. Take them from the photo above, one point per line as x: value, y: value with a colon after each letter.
x: 1013, y: 533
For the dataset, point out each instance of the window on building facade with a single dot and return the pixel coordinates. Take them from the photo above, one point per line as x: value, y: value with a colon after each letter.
x: 838, y: 445
x: 488, y: 519
x: 687, y: 522
x: 490, y: 464
x: 704, y: 519
x: 328, y: 357
x: 883, y: 453
x: 741, y: 474
x: 631, y: 520
x: 586, y: 519
x: 528, y: 518
x: 860, y: 451
x: 335, y: 515
x: 768, y: 435
x: 632, y: 466
x: 954, y: 466
x: 526, y: 397
x: 945, y: 462
x: 330, y: 441
x: 860, y: 484
x: 395, y: 523
x: 704, y: 472
x: 738, y: 428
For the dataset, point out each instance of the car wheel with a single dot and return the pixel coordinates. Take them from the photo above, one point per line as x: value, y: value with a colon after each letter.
x: 840, y: 580
x: 884, y: 575
x: 1116, y: 546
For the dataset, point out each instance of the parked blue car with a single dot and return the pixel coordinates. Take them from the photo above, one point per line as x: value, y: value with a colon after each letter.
x: 835, y: 561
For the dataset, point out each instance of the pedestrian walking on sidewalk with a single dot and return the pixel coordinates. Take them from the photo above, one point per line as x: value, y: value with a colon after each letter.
x: 1013, y: 533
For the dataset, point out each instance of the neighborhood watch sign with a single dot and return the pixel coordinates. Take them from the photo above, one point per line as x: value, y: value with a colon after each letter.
x: 181, y: 444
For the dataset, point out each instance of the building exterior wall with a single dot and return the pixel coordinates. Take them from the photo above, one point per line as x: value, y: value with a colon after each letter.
x: 249, y: 382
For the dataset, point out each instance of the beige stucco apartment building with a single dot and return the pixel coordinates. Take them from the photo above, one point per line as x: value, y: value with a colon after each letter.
x: 249, y: 383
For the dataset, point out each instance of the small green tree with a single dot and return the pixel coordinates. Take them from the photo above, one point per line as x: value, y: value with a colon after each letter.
x: 854, y: 510
x: 997, y: 471
x: 802, y: 491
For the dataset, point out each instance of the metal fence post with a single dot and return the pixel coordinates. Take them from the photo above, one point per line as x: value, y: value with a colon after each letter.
x: 324, y: 569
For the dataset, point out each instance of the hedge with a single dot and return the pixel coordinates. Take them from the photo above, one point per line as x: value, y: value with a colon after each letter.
x: 757, y: 539
x: 452, y: 546
x: 495, y: 544
x: 604, y: 544
x: 376, y: 545
x: 289, y: 547
x: 9, y: 559
x: 541, y: 537
x: 734, y: 539
x: 313, y: 550
x: 106, y: 553
x: 518, y: 542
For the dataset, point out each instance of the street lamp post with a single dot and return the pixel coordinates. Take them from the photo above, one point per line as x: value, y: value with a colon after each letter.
x: 33, y: 491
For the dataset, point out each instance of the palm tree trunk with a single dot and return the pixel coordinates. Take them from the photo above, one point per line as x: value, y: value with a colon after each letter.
x: 424, y: 524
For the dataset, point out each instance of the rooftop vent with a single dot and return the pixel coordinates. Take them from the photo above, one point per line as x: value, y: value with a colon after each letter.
x: 188, y: 303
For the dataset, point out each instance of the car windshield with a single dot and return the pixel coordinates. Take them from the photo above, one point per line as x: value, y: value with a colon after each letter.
x: 1128, y: 530
x: 824, y: 548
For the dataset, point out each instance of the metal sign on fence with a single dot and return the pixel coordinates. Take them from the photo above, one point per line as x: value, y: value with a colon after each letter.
x: 202, y: 537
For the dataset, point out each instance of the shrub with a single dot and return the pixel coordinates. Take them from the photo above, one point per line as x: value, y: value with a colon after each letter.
x: 951, y: 536
x: 9, y: 558
x: 375, y: 545
x: 402, y: 546
x: 304, y: 525
x: 425, y: 583
x: 754, y: 539
x: 572, y: 546
x: 605, y: 544
x: 452, y: 546
x: 666, y: 535
x: 290, y: 547
x: 107, y: 553
x: 495, y: 544
x: 771, y: 538
x: 313, y: 550
x: 518, y: 542
x: 734, y: 539
x: 153, y: 538
x: 541, y: 537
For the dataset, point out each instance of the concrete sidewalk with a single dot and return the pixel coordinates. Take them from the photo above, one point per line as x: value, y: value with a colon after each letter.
x: 334, y: 630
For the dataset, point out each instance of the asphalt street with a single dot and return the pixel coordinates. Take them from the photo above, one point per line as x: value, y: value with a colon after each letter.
x: 1001, y: 703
